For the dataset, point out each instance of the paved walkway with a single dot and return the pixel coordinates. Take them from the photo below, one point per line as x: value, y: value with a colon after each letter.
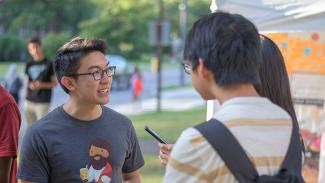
x: 175, y: 100
x: 149, y: 147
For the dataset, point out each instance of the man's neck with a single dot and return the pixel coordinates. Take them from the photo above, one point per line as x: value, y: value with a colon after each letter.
x: 241, y: 90
x: 38, y: 58
x: 82, y: 111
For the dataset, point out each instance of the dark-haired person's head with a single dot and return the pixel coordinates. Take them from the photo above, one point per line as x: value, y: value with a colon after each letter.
x: 229, y: 46
x: 34, y: 47
x: 68, y: 57
x: 35, y: 40
x: 274, y: 83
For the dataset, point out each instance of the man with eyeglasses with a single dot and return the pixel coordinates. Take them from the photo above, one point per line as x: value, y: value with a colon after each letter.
x: 82, y: 140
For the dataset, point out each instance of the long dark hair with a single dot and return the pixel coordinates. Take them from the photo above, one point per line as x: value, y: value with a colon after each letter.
x: 274, y: 78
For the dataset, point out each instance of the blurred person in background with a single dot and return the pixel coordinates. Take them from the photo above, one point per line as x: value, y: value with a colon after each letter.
x: 40, y: 82
x: 137, y: 84
x: 9, y: 127
x: 13, y: 82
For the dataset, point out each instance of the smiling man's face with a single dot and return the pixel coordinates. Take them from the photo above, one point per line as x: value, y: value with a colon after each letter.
x: 88, y: 89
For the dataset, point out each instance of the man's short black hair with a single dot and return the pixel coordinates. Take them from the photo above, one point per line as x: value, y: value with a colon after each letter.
x: 229, y: 44
x: 68, y: 57
x: 35, y: 40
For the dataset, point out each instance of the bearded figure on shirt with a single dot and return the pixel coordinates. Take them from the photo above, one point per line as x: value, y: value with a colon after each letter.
x: 100, y: 170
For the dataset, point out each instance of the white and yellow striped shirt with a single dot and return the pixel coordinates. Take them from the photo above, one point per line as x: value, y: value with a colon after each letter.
x: 262, y: 128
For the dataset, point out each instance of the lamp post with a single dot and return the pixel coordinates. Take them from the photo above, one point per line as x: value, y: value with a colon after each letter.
x: 159, y: 51
x: 183, y: 29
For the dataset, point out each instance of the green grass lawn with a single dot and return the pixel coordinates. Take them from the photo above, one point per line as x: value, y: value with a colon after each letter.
x: 4, y: 66
x: 152, y: 171
x: 168, y: 124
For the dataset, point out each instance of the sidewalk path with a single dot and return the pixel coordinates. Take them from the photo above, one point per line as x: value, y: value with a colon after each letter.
x: 149, y: 147
x: 175, y: 100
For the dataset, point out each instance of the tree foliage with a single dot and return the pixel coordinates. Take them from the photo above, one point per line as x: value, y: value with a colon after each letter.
x: 43, y: 16
x: 52, y: 42
x: 12, y: 48
x: 124, y: 24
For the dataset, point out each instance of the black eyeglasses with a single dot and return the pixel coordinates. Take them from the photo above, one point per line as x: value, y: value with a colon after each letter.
x: 98, y: 74
x: 187, y: 68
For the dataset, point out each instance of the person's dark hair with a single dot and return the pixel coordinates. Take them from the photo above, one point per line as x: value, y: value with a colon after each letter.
x: 68, y: 57
x: 274, y: 83
x: 229, y: 44
x: 35, y: 40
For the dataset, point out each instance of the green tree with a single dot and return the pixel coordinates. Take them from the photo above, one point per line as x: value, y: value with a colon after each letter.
x: 11, y: 48
x: 124, y: 24
x: 42, y: 16
x: 52, y: 42
x: 196, y: 8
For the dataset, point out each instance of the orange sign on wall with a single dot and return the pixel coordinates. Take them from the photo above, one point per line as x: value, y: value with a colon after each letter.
x: 302, y: 52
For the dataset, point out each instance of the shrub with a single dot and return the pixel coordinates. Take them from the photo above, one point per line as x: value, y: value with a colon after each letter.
x: 12, y: 48
x: 52, y: 42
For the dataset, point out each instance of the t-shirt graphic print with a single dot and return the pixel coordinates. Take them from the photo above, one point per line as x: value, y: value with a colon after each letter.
x: 35, y: 70
x: 98, y: 170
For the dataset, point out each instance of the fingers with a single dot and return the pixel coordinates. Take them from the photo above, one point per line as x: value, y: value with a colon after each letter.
x: 34, y: 85
x: 164, y: 152
x: 166, y: 147
x: 163, y: 158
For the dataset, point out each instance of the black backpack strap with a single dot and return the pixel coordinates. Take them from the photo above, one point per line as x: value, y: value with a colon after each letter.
x: 294, y: 152
x: 229, y: 149
x: 238, y: 163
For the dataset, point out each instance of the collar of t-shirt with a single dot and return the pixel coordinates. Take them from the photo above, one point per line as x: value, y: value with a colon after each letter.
x: 247, y: 107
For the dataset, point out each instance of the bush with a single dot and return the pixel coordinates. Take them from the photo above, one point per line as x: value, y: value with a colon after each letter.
x: 52, y: 42
x: 12, y: 48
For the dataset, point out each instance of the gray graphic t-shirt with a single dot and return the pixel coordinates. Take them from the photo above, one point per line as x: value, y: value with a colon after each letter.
x: 60, y: 148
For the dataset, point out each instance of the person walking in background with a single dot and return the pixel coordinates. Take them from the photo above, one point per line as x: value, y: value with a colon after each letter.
x: 41, y: 79
x: 137, y: 84
x: 9, y: 128
x: 12, y: 82
x: 222, y: 55
x: 82, y: 140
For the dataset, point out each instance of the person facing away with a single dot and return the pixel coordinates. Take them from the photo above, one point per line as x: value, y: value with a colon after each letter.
x: 40, y: 81
x: 9, y: 127
x: 222, y: 55
x: 274, y: 78
x: 82, y: 140
x: 12, y: 82
x: 274, y: 85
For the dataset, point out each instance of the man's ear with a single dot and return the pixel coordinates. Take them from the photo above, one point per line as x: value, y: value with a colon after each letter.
x: 68, y: 82
x: 203, y: 70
